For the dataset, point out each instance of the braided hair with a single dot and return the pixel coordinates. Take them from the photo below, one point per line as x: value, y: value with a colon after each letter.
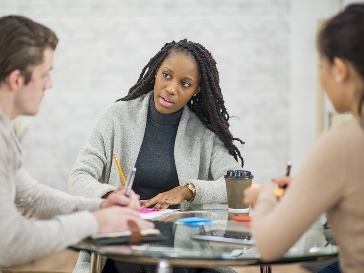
x: 208, y: 104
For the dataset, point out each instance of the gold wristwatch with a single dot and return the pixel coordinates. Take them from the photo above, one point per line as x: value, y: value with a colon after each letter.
x: 192, y: 189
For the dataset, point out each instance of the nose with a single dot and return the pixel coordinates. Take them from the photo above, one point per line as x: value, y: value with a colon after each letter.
x: 172, y: 88
x: 48, y: 85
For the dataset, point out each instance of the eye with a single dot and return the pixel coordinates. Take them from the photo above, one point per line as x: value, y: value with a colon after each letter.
x: 166, y: 75
x: 186, y: 84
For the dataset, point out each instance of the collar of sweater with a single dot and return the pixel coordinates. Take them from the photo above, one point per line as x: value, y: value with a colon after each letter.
x: 168, y: 119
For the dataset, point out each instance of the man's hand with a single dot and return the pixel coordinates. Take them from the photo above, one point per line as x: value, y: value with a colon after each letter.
x: 115, y: 219
x: 118, y: 197
x: 165, y: 199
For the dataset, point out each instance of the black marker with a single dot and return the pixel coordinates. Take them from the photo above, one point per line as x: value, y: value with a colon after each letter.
x: 130, y: 182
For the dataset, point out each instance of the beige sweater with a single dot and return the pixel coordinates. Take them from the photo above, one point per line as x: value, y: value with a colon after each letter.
x: 330, y: 180
x: 22, y: 239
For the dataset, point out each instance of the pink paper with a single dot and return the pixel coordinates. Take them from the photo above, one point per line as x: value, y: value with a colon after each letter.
x: 147, y: 211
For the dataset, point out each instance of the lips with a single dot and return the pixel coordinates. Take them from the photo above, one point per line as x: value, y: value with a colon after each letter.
x: 167, y: 102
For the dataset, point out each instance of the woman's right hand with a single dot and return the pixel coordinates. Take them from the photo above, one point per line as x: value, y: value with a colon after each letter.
x: 282, y: 181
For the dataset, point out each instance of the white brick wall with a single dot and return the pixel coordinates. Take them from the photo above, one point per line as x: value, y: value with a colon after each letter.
x: 104, y: 45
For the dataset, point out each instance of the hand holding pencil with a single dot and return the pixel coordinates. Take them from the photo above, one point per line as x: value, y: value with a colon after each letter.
x: 283, y: 182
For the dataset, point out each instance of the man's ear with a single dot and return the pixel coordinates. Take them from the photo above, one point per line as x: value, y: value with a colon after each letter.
x: 15, y: 79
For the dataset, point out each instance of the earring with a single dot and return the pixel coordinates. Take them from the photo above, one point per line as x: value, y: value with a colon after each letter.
x: 195, y: 95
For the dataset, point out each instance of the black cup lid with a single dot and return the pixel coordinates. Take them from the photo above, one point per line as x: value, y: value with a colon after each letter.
x: 238, y: 174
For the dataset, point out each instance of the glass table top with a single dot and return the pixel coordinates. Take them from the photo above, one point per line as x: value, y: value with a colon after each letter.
x: 183, y: 242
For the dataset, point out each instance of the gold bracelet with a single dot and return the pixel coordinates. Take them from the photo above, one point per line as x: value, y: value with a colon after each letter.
x: 192, y: 189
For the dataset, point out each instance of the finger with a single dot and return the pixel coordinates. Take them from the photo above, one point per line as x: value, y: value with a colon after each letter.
x: 151, y: 202
x: 146, y: 203
x: 119, y: 198
x: 158, y: 205
x: 282, y: 180
x: 134, y: 200
x: 278, y: 192
x: 165, y: 205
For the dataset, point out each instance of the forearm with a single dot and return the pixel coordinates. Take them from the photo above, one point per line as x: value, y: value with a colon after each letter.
x: 209, y: 191
x: 24, y: 240
x: 42, y: 202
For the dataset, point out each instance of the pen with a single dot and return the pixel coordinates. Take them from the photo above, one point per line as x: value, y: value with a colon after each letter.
x: 281, y: 188
x: 288, y: 170
x: 129, y: 185
x: 120, y: 170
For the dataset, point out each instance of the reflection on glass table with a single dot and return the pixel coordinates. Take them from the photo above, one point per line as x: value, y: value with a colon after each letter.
x: 230, y: 245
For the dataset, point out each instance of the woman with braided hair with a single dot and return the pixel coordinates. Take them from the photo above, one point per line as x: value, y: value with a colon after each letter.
x: 172, y: 126
x: 152, y: 130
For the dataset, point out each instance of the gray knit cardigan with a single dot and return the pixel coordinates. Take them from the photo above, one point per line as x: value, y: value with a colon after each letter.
x: 200, y: 156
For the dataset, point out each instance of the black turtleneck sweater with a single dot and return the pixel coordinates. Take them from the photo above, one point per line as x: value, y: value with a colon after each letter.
x: 156, y: 168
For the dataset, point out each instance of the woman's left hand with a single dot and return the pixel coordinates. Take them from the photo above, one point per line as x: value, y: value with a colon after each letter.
x: 165, y: 199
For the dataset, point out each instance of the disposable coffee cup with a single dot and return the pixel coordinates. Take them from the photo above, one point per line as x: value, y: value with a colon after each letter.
x: 236, y: 182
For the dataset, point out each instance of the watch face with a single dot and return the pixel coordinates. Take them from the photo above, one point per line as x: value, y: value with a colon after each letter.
x: 192, y: 188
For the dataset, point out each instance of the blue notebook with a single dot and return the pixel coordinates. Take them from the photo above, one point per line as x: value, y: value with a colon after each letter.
x: 193, y: 221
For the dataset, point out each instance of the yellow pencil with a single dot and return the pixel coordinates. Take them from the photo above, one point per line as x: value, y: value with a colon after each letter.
x: 120, y: 170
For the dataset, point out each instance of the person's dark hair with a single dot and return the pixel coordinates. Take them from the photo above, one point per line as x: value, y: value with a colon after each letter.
x: 343, y: 36
x: 208, y: 104
x: 22, y: 44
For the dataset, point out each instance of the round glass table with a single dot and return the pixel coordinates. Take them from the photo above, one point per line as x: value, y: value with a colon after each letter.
x: 221, y: 243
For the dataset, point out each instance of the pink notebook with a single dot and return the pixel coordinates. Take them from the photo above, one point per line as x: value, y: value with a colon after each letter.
x: 146, y: 213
